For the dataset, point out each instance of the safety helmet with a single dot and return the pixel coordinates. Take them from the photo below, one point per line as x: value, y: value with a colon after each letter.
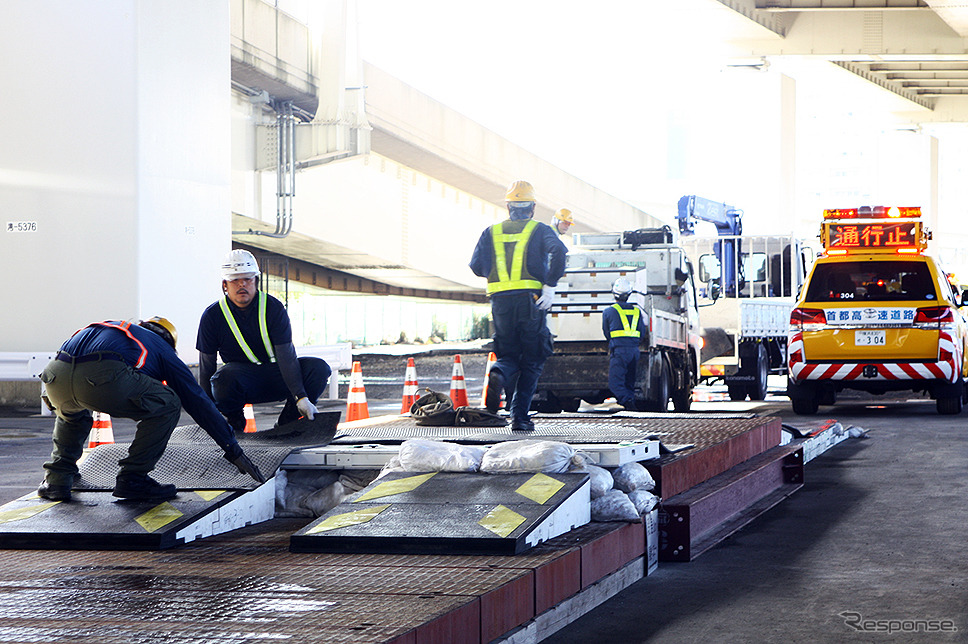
x: 621, y: 289
x: 520, y: 191
x: 163, y: 327
x: 563, y: 214
x: 239, y: 263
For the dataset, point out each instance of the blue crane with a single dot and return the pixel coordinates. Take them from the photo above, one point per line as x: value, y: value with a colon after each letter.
x: 728, y: 221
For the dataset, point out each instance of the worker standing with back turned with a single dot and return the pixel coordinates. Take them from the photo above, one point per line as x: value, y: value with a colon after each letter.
x: 127, y: 371
x: 625, y: 326
x: 250, y: 329
x: 522, y: 260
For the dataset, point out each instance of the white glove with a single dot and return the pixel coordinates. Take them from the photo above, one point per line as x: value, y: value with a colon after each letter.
x: 547, y: 297
x: 306, y: 408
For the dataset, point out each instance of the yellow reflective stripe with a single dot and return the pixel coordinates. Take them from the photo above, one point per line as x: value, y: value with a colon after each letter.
x: 263, y: 329
x: 510, y: 281
x: 234, y: 326
x: 264, y: 326
x: 629, y: 326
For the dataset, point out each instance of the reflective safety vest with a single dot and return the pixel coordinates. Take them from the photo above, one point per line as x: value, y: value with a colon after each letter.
x: 630, y: 323
x: 125, y: 327
x: 263, y: 328
x: 501, y: 279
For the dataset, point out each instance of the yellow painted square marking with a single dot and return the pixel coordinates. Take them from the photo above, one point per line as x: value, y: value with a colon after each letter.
x: 158, y: 516
x: 399, y: 486
x: 349, y: 518
x: 208, y: 495
x: 502, y: 521
x: 539, y: 488
x: 24, y: 513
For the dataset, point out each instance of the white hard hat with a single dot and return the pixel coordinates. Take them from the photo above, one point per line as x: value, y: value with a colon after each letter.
x: 621, y: 288
x: 239, y: 263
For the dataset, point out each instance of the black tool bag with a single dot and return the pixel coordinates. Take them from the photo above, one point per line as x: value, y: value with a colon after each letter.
x: 433, y: 408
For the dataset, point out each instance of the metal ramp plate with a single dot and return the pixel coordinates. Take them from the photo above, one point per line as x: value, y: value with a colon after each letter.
x: 99, y: 521
x: 374, y: 456
x: 451, y: 513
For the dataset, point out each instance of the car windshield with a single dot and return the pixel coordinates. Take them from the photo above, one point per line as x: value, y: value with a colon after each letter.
x: 886, y: 281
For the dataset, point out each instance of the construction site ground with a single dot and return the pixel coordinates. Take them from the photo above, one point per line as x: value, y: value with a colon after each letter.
x: 871, y: 548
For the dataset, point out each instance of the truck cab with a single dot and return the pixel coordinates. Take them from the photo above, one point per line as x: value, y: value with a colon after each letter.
x: 876, y: 314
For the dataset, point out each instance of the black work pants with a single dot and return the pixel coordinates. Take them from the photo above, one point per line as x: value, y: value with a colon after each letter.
x: 522, y: 343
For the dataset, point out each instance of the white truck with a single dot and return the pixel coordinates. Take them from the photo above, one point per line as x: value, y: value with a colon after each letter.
x: 664, y: 290
x: 748, y: 288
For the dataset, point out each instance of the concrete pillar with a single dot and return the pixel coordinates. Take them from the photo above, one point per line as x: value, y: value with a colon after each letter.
x: 114, y: 168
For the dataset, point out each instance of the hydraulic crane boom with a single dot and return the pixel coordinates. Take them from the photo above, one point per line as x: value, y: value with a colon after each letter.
x: 728, y: 221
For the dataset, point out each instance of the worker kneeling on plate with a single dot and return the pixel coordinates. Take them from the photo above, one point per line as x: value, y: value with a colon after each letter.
x: 251, y: 331
x: 624, y: 326
x: 127, y: 371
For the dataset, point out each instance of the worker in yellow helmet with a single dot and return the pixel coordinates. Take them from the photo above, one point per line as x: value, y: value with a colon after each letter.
x: 522, y: 260
x: 562, y: 221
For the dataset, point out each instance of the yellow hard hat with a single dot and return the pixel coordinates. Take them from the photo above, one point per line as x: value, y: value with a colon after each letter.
x: 163, y: 327
x: 520, y: 191
x: 563, y: 214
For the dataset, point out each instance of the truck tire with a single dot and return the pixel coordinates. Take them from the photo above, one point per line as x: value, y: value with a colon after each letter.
x: 757, y: 388
x: 805, y: 406
x: 659, y: 401
x: 682, y: 400
x: 737, y: 391
x: 949, y: 406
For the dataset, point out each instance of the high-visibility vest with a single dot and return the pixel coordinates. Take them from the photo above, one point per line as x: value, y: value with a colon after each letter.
x: 263, y: 328
x: 630, y: 323
x: 501, y: 279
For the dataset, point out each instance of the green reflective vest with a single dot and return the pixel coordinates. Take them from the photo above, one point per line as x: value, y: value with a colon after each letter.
x: 630, y: 323
x: 501, y: 279
x: 263, y: 328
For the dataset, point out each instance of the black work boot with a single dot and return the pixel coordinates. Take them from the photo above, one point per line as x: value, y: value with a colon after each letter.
x: 54, y: 492
x: 237, y: 423
x: 142, y: 487
x: 522, y: 425
x: 495, y: 385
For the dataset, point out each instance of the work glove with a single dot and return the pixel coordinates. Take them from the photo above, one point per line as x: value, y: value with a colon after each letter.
x: 547, y: 297
x: 306, y: 408
x: 241, y: 461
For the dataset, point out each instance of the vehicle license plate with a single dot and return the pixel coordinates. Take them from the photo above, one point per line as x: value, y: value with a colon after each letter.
x: 869, y: 338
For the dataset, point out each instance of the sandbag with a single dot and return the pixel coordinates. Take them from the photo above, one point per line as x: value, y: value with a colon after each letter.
x: 420, y: 455
x: 599, y: 477
x: 614, y: 505
x: 529, y: 456
x: 322, y: 501
x: 633, y: 476
x: 643, y: 500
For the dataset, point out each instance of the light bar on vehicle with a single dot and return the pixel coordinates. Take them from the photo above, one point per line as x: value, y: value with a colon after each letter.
x: 873, y: 212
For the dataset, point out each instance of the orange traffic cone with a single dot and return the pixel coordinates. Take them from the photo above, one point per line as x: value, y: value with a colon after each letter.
x: 458, y: 390
x: 409, y: 387
x: 249, y: 413
x: 491, y: 360
x: 102, y: 433
x: 356, y: 408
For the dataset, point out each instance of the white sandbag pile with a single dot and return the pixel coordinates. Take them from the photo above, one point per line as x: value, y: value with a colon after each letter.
x: 617, y: 494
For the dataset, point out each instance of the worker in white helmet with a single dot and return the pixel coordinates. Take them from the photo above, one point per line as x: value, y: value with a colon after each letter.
x: 251, y: 332
x: 522, y: 260
x: 625, y: 326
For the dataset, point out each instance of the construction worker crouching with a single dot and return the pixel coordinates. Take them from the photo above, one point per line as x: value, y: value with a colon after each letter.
x: 522, y: 260
x: 251, y: 332
x: 625, y: 325
x: 127, y: 371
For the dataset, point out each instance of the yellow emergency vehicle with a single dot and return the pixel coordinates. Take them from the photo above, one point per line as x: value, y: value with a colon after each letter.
x: 876, y: 314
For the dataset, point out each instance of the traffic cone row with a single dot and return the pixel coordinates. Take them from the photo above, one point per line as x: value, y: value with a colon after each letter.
x: 409, y: 387
x: 458, y: 389
x: 249, y: 413
x: 102, y: 433
x: 356, y: 408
